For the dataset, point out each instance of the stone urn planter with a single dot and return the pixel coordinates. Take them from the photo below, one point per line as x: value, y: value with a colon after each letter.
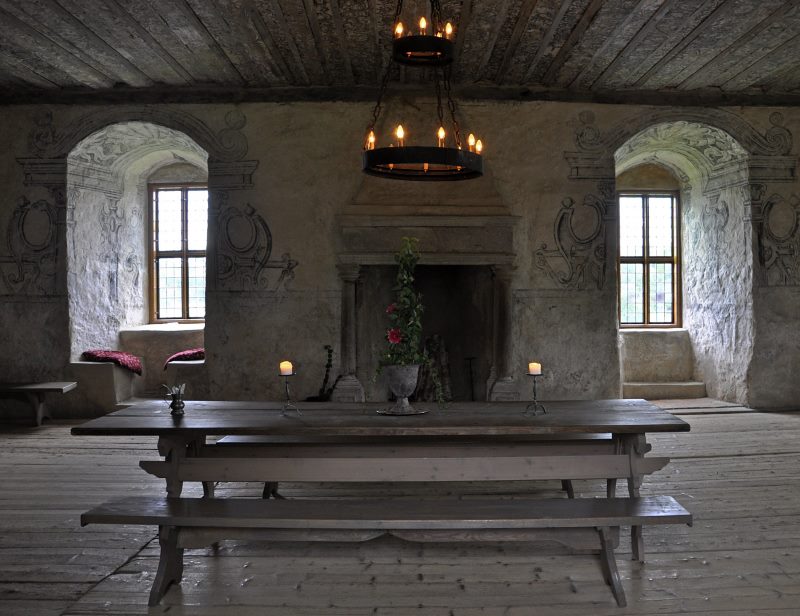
x: 402, y: 382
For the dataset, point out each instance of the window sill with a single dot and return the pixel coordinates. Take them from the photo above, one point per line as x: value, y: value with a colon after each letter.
x: 650, y: 330
x: 166, y: 327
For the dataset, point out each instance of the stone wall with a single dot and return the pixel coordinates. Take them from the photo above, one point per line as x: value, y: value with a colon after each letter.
x: 282, y: 175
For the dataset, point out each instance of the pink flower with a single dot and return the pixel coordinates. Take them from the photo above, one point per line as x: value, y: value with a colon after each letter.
x: 394, y: 336
x: 391, y: 308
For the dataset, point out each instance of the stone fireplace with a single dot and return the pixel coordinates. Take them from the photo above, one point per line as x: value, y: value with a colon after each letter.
x: 464, y: 275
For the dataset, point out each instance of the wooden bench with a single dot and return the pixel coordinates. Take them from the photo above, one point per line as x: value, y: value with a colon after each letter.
x: 34, y: 393
x: 336, y: 445
x: 579, y: 523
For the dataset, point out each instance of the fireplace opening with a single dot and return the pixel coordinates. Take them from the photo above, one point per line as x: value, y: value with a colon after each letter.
x: 457, y: 302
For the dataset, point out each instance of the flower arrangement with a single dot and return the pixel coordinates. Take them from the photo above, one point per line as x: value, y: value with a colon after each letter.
x: 405, y: 313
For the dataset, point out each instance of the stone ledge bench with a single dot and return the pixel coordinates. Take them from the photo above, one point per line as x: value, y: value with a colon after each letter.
x: 34, y: 393
x: 105, y: 384
x: 586, y: 523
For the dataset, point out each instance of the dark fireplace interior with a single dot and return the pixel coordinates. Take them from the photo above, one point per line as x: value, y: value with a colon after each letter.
x: 458, y: 307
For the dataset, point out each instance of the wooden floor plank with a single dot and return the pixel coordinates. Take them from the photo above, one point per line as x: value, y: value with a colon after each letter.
x: 736, y: 471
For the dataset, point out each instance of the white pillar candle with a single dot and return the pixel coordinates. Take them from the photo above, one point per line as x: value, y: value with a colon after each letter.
x: 534, y: 368
x: 286, y: 368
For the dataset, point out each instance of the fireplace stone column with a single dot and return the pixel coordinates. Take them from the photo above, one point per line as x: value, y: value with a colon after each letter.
x: 504, y: 387
x: 349, y: 388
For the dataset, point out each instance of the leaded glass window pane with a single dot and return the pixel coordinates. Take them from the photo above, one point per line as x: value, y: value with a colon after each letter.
x: 631, y: 292
x: 631, y: 226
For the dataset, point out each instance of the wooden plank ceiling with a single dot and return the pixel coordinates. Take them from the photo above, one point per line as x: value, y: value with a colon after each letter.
x: 676, y: 51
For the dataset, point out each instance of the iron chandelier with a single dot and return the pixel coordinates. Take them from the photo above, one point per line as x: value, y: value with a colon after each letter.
x: 420, y: 162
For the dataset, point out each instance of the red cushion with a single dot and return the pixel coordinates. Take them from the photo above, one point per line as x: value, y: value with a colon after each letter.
x: 187, y: 355
x: 124, y: 360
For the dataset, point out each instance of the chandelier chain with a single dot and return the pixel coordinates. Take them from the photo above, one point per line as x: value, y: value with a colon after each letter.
x: 451, y: 106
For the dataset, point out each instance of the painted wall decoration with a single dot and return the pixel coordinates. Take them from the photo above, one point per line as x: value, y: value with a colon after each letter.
x: 32, y: 240
x: 779, y: 240
x: 714, y: 220
x: 577, y: 261
x: 226, y: 144
x: 243, y: 251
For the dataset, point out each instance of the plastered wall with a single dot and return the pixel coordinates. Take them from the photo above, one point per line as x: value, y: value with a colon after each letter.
x: 282, y: 175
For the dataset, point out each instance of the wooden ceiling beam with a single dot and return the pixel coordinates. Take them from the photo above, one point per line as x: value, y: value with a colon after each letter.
x: 316, y: 35
x: 516, y: 35
x: 336, y: 14
x: 706, y: 97
x: 769, y: 68
x: 64, y: 29
x: 614, y: 37
x: 51, y: 53
x: 572, y: 40
x: 149, y: 41
x: 711, y: 68
x: 547, y: 40
x: 645, y: 31
x: 225, y: 23
x: 500, y: 15
x: 699, y: 29
x: 18, y: 72
x: 262, y: 33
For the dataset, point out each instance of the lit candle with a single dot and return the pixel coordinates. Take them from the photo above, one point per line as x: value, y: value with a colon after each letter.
x: 534, y: 368
x: 286, y: 368
x: 471, y: 142
x: 479, y: 146
x: 423, y: 25
x: 401, y: 134
x: 371, y: 140
x: 398, y: 29
x: 441, y: 136
x: 425, y: 167
x: 448, y: 30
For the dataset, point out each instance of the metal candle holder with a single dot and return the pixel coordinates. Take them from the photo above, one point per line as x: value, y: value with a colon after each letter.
x: 535, y: 406
x: 288, y: 405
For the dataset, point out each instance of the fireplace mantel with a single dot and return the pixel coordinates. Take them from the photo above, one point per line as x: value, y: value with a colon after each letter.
x: 443, y: 240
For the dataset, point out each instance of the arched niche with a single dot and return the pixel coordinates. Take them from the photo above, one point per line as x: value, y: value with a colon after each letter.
x: 107, y: 174
x: 712, y: 170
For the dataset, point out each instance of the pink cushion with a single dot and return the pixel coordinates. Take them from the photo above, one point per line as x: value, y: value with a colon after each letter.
x: 187, y: 355
x: 124, y: 360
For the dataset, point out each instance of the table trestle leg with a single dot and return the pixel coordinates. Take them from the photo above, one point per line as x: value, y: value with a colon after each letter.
x: 170, y: 563
x: 609, y: 564
x: 566, y: 486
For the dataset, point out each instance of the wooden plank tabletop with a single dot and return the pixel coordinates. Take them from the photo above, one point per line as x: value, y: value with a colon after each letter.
x: 60, y: 386
x: 212, y: 418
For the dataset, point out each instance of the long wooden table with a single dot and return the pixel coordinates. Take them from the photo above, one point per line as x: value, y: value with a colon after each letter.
x: 493, y: 441
x: 329, y: 442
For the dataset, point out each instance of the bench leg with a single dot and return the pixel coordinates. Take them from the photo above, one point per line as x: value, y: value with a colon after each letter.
x: 609, y: 564
x: 566, y: 486
x: 170, y: 564
x: 36, y: 400
x: 271, y: 490
x: 208, y: 489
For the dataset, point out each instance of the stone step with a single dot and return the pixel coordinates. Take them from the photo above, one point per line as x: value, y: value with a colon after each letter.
x: 659, y: 391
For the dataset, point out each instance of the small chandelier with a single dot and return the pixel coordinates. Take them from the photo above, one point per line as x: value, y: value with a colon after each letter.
x: 449, y: 159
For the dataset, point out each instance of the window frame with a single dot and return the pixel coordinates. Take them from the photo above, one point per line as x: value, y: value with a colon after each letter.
x: 184, y: 253
x: 646, y: 260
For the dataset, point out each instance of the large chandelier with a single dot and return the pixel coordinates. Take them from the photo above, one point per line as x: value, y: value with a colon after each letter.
x: 449, y: 159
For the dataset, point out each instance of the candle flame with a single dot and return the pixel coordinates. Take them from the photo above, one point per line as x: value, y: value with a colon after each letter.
x: 400, y: 132
x: 371, y: 140
x: 422, y: 24
x: 398, y: 29
x: 479, y: 146
x: 471, y: 140
x: 441, y: 133
x: 448, y: 29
